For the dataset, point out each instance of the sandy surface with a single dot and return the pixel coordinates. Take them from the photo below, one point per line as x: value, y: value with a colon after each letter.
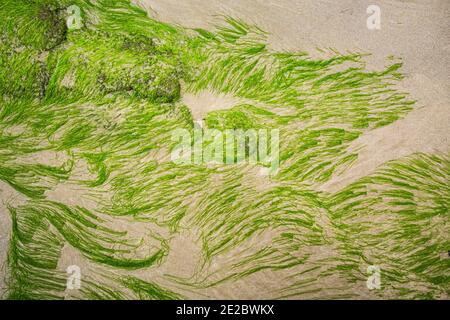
x: 5, y: 227
x: 416, y: 31
x: 425, y: 129
x: 204, y: 102
x: 7, y: 196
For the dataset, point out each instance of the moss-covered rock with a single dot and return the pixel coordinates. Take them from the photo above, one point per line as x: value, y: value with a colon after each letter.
x: 99, y: 63
x: 40, y: 25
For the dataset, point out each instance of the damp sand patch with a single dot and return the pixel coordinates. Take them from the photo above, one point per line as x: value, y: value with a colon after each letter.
x: 205, y: 101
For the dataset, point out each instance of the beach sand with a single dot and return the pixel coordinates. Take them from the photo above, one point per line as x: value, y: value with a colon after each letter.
x: 415, y: 31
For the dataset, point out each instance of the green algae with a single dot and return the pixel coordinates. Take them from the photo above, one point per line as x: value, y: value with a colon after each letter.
x: 105, y: 98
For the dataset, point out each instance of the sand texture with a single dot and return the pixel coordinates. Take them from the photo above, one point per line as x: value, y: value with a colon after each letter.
x: 88, y: 181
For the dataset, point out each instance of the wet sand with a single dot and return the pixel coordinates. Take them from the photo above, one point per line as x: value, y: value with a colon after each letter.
x: 415, y: 31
